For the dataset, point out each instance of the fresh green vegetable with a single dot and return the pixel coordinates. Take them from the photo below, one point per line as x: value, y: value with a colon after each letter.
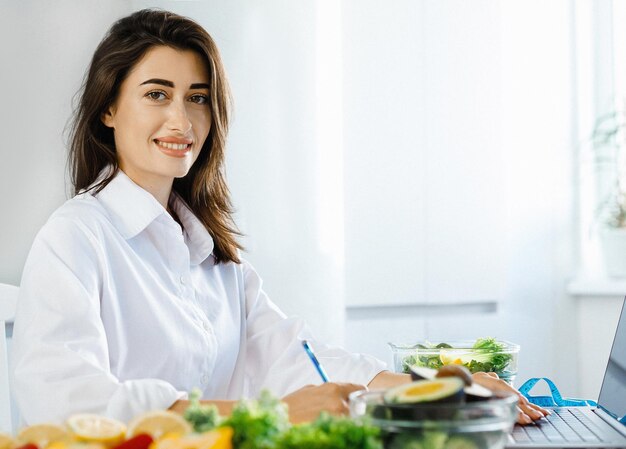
x: 431, y: 439
x: 201, y: 417
x: 434, y: 439
x: 460, y: 442
x: 408, y: 362
x: 264, y: 424
x: 487, y: 356
x: 429, y: 361
x: 328, y: 432
x: 258, y: 424
x: 406, y: 441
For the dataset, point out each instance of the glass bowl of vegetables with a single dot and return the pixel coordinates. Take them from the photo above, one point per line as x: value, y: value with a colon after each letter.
x: 484, y: 354
x: 437, y: 425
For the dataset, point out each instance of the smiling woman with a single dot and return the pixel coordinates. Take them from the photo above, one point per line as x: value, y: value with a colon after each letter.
x: 134, y: 291
x: 161, y: 118
x: 128, y: 48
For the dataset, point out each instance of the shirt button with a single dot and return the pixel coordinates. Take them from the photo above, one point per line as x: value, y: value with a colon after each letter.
x: 182, y: 280
x: 204, y: 379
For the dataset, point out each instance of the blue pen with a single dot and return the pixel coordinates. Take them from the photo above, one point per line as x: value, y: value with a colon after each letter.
x: 316, y: 362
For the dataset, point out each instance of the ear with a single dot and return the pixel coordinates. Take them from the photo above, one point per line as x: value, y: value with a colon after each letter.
x: 108, y: 117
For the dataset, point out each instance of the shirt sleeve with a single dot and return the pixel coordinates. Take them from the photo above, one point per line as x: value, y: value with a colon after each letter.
x: 61, y: 359
x: 276, y: 359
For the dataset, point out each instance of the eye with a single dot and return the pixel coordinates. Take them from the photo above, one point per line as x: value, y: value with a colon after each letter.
x: 156, y: 95
x: 199, y: 99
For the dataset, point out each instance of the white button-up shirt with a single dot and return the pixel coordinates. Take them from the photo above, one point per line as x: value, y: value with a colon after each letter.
x: 122, y: 311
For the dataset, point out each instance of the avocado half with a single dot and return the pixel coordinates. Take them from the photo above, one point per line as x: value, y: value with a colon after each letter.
x: 473, y: 392
x: 445, y: 389
x: 417, y: 400
x: 421, y: 373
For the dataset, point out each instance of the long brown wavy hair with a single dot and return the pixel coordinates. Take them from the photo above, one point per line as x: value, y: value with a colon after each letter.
x: 92, y: 146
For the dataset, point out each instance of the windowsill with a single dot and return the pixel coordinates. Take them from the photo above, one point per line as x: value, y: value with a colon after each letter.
x: 597, y: 287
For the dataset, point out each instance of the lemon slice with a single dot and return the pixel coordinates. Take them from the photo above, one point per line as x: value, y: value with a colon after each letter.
x: 158, y: 423
x: 42, y: 435
x: 224, y: 438
x: 168, y: 441
x: 215, y: 439
x: 83, y: 445
x: 6, y: 442
x: 454, y: 356
x: 58, y: 445
x: 96, y: 429
x: 75, y: 445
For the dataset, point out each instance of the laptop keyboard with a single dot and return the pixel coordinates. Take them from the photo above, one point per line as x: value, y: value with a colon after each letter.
x: 563, y: 426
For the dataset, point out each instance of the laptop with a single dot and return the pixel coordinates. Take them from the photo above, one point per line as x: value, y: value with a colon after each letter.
x: 603, y: 426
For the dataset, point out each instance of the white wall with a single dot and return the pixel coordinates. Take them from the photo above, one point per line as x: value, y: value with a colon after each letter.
x: 538, y: 96
x: 460, y: 177
x: 45, y: 48
x: 456, y: 161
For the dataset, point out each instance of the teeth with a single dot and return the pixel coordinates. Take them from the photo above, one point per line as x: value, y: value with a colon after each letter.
x: 173, y: 146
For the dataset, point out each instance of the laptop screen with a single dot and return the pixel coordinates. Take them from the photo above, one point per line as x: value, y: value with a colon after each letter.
x: 613, y: 392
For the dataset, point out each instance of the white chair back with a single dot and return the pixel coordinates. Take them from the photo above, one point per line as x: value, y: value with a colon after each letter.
x: 8, y: 302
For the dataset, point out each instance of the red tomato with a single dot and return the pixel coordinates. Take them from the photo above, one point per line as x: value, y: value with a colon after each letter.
x: 141, y: 441
x: 28, y: 446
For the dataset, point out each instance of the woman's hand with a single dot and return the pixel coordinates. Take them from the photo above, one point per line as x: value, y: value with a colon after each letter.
x: 387, y: 379
x: 527, y: 412
x: 306, y: 403
x: 224, y: 408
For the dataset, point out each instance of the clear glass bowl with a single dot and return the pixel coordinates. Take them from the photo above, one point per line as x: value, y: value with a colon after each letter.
x: 461, y: 352
x: 472, y: 425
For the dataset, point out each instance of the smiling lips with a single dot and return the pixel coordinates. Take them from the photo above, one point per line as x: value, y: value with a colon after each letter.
x: 174, y: 147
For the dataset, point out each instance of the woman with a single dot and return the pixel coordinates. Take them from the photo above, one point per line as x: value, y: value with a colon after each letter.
x: 134, y: 291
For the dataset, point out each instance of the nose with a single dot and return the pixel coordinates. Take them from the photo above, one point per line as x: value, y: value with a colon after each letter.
x: 178, y: 119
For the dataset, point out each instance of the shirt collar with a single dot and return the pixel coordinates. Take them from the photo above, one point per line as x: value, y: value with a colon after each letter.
x: 132, y: 209
x: 197, y: 238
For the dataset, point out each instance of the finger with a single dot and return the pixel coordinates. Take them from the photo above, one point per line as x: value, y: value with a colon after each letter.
x: 339, y: 407
x: 534, y: 411
x: 347, y: 388
x: 483, y: 374
x: 523, y: 418
x: 494, y: 384
x: 544, y: 411
x: 346, y: 408
x: 529, y: 406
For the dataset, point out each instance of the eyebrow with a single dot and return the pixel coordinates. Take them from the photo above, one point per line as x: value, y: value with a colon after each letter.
x: 167, y: 83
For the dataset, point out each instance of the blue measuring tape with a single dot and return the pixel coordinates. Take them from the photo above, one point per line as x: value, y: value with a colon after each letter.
x: 555, y: 399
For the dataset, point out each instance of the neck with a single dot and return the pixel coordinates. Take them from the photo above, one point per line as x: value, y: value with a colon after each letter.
x: 162, y: 195
x: 158, y: 188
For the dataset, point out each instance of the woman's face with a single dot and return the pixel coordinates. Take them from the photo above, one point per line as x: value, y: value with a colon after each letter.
x: 161, y: 116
